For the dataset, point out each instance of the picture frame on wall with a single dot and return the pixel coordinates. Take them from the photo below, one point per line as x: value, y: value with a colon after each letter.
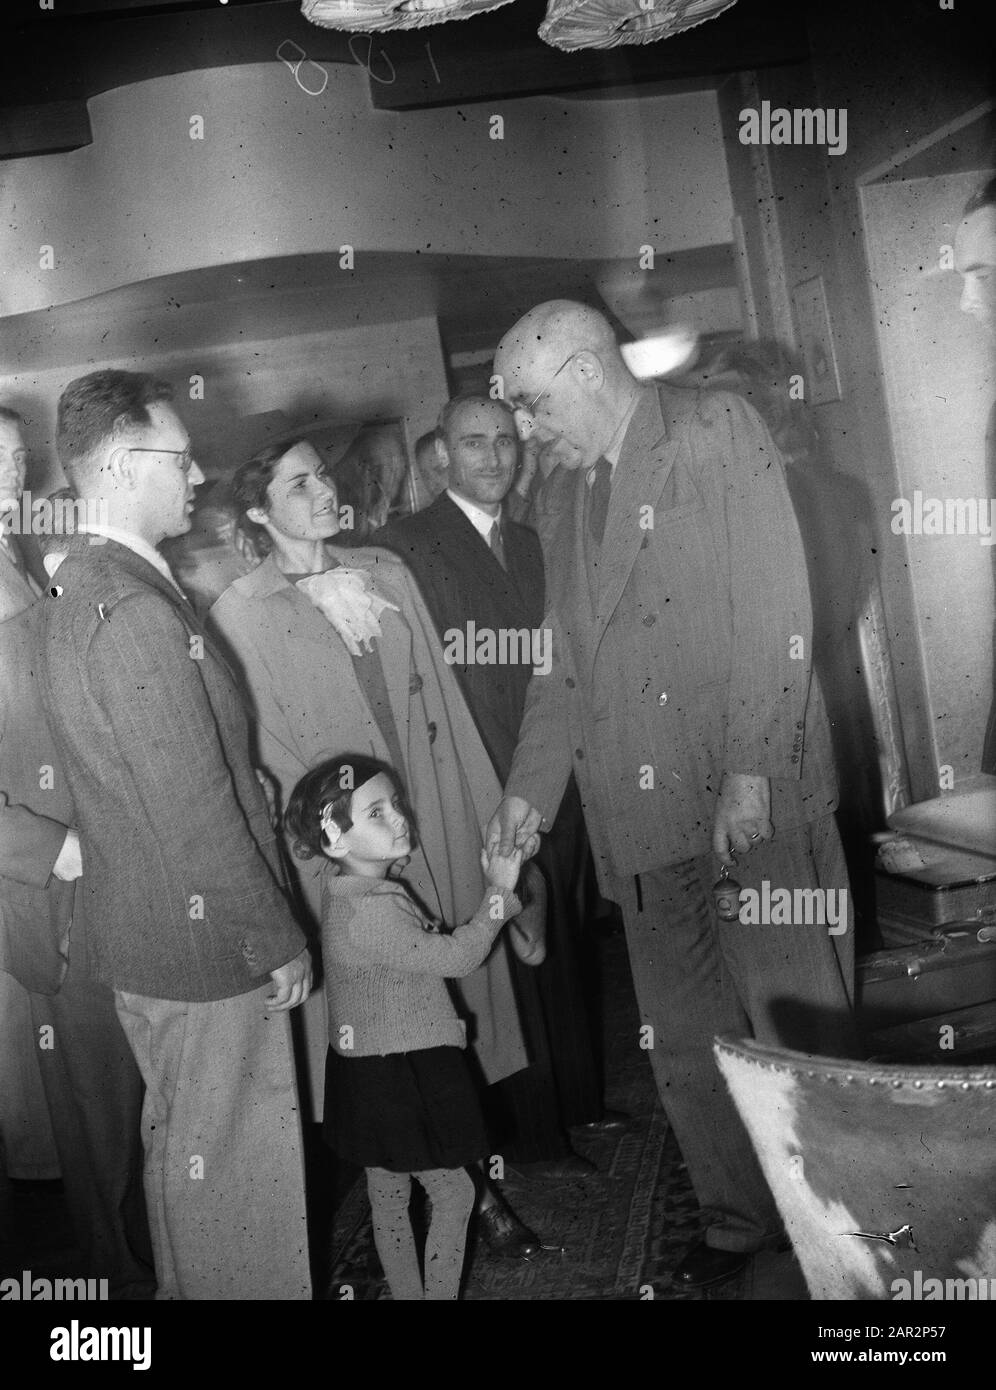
x: 812, y: 319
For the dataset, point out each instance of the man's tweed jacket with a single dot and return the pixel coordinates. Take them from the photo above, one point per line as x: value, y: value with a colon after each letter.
x: 182, y: 899
x: 690, y: 655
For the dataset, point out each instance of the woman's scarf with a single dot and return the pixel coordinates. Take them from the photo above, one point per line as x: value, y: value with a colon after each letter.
x: 345, y: 597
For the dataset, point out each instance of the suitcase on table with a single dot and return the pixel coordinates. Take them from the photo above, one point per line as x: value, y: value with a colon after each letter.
x: 931, y: 995
x: 939, y: 868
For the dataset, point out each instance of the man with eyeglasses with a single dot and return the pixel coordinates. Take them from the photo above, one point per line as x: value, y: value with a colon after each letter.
x: 682, y: 697
x: 185, y: 917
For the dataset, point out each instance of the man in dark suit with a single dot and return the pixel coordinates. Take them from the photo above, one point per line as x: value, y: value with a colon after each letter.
x: 682, y: 696
x: 481, y: 574
x: 186, y: 920
x: 69, y: 1039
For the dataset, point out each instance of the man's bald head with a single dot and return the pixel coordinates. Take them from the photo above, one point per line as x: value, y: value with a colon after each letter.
x: 561, y: 363
x: 549, y: 333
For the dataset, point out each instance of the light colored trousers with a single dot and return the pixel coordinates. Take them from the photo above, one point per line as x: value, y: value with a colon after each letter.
x: 221, y: 1129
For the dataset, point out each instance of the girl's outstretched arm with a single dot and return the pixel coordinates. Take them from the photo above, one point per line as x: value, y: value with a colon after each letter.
x: 386, y: 928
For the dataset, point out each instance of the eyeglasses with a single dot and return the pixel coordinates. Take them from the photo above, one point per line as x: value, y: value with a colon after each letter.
x: 531, y: 405
x: 184, y: 455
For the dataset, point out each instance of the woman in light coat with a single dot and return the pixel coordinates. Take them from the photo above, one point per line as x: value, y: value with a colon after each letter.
x: 339, y: 654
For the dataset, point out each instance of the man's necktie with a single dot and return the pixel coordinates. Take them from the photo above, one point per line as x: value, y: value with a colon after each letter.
x: 496, y: 544
x: 598, y: 501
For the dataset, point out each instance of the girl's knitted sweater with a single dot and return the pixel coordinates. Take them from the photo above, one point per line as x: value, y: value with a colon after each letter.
x: 385, y: 966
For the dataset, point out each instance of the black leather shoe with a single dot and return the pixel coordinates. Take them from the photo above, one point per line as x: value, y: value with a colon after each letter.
x: 504, y: 1234
x: 702, y: 1266
x: 612, y: 1122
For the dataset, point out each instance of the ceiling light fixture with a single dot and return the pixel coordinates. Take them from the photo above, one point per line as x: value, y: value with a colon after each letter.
x: 571, y: 24
x: 375, y: 16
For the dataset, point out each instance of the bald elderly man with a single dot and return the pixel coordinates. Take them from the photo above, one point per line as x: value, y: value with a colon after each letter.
x: 975, y: 262
x: 682, y: 696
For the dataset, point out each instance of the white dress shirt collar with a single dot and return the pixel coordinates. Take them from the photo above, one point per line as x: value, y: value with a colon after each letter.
x: 481, y: 520
x: 134, y: 543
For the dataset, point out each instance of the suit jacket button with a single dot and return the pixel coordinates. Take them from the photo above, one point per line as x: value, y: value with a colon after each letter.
x: 662, y: 698
x: 579, y: 754
x: 800, y: 725
x: 794, y: 758
x: 649, y: 619
x: 432, y: 732
x: 414, y: 683
x: 569, y: 682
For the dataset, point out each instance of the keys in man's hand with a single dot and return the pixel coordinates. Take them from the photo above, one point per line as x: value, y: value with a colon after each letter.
x: 743, y: 813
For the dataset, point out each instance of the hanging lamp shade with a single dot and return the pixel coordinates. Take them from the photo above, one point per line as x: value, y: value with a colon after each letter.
x: 374, y: 16
x: 571, y: 24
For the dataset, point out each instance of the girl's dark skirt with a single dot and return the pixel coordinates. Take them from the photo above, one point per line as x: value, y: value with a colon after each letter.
x: 406, y: 1112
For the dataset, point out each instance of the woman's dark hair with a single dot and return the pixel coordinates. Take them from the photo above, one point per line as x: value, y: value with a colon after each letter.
x: 332, y: 783
x: 248, y: 488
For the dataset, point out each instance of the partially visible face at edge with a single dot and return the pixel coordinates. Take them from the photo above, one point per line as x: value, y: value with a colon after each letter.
x: 13, y: 466
x: 432, y: 467
x: 975, y: 262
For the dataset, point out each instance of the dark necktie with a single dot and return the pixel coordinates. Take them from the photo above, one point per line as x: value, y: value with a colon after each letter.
x: 496, y: 544
x: 598, y: 502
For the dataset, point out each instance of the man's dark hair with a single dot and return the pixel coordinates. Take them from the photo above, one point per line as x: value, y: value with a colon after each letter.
x: 101, y: 406
x: 8, y: 413
x: 983, y: 197
x: 332, y: 783
x: 467, y: 398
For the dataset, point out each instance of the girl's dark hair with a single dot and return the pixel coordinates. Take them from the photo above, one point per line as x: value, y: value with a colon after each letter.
x: 332, y: 783
x: 248, y: 488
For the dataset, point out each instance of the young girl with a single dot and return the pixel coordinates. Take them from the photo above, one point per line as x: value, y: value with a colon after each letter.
x: 399, y: 1099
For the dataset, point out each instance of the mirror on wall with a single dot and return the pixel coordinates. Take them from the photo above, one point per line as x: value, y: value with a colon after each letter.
x: 939, y: 385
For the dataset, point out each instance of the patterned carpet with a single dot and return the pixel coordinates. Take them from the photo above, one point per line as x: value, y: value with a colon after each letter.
x: 622, y: 1231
